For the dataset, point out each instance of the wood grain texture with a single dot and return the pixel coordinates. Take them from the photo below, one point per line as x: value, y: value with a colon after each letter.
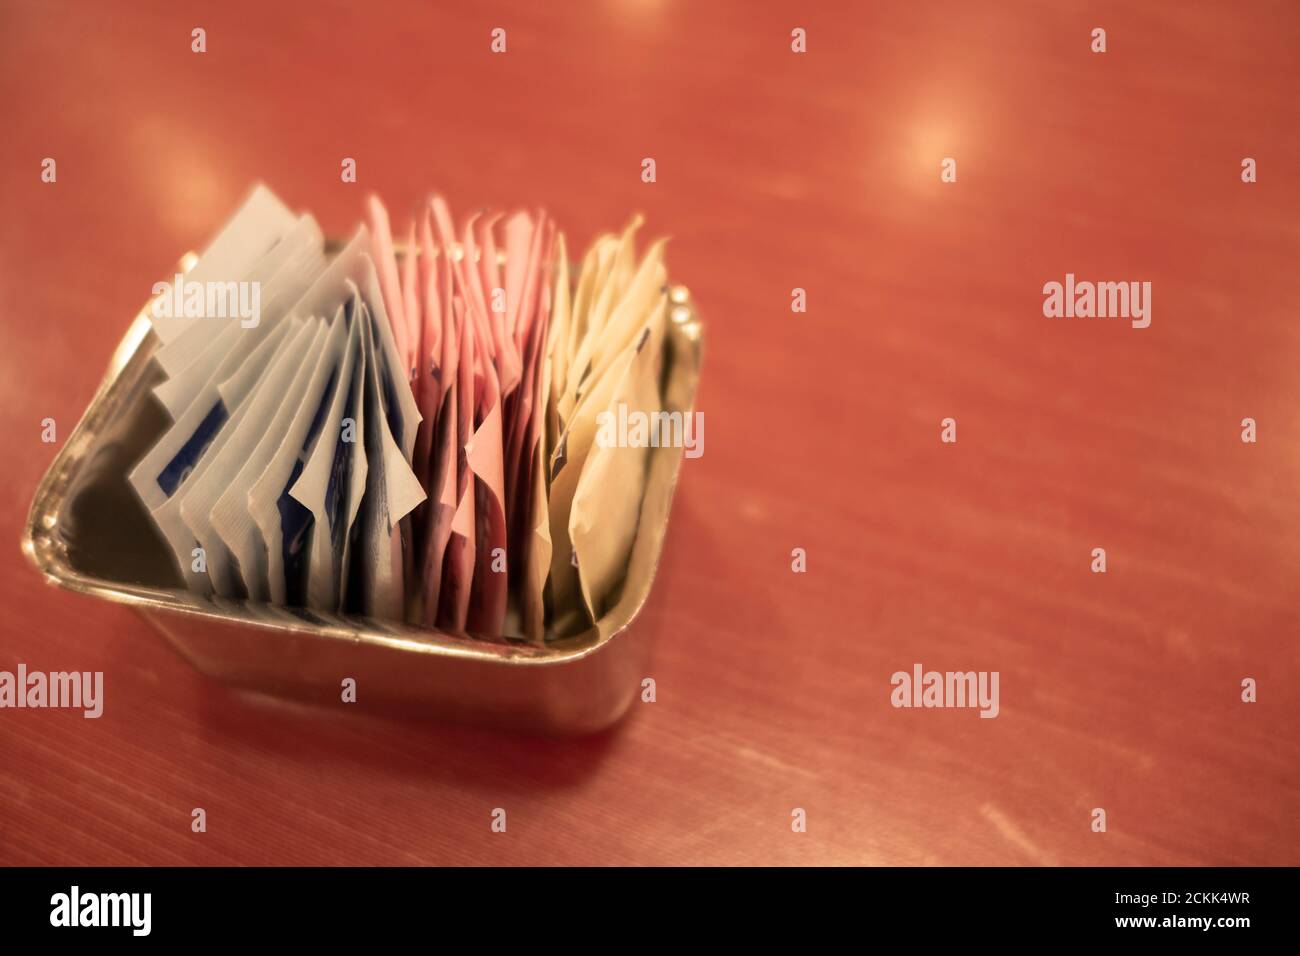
x: 775, y: 171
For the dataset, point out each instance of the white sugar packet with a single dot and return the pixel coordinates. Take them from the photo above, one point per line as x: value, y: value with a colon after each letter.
x: 392, y: 489
x: 281, y: 276
x: 333, y: 479
x: 284, y: 523
x: 189, y: 513
x: 259, y: 223
x: 230, y: 517
x: 163, y: 469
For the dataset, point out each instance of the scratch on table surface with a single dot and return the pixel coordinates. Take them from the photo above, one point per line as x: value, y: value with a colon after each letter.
x: 749, y: 753
x: 1014, y: 835
x: 14, y: 791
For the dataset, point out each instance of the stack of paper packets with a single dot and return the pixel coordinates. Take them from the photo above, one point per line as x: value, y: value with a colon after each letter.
x: 407, y: 435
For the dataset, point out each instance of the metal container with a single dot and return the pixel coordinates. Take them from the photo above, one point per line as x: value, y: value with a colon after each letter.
x: 88, y: 532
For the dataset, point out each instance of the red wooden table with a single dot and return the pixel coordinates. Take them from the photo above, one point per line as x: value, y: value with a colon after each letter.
x: 775, y: 170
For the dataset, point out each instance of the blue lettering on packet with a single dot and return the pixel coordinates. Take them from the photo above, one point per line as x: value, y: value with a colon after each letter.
x: 295, y: 522
x: 295, y: 519
x: 388, y: 392
x: 178, y: 469
x: 341, y: 465
x: 340, y: 469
